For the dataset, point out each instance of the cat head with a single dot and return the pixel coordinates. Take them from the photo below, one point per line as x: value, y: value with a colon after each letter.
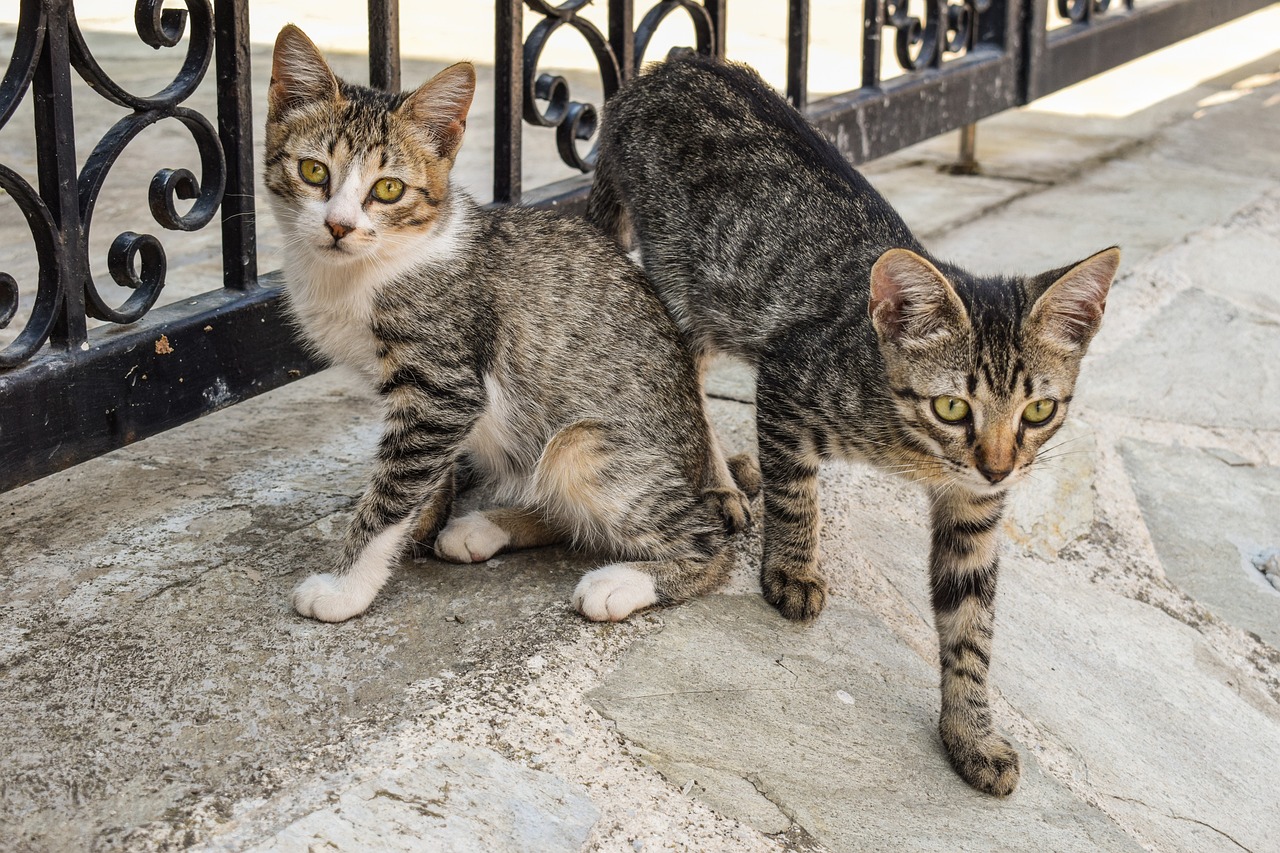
x: 356, y: 174
x: 982, y: 370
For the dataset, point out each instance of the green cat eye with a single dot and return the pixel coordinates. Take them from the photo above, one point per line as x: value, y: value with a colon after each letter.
x: 951, y: 409
x: 313, y: 172
x: 1039, y: 411
x: 388, y: 189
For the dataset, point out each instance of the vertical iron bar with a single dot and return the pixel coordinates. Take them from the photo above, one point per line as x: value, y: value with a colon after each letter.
x: 967, y: 162
x: 1035, y: 25
x: 384, y: 45
x: 716, y: 10
x: 939, y: 16
x: 57, y: 171
x: 622, y: 35
x: 235, y: 130
x: 872, y: 41
x: 508, y: 68
x: 798, y: 53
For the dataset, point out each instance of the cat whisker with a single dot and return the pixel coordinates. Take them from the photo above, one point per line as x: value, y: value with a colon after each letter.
x: 1067, y: 441
x: 1060, y: 455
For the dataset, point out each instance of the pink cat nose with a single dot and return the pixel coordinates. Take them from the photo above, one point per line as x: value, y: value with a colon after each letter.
x: 993, y: 475
x: 338, y: 229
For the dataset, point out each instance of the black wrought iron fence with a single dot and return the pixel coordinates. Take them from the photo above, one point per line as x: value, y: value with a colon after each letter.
x: 68, y: 392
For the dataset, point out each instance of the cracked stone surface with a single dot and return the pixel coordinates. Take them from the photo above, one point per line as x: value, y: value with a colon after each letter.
x: 1160, y: 727
x: 153, y: 656
x: 159, y: 694
x: 833, y: 724
x: 463, y: 798
x: 1212, y: 538
x: 1198, y: 362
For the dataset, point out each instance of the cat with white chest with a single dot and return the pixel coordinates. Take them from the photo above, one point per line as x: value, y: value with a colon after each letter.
x: 524, y: 342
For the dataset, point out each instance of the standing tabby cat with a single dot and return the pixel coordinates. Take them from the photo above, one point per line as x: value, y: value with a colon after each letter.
x: 527, y: 342
x: 765, y: 244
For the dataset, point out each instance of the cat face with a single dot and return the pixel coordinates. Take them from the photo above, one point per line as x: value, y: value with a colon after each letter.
x: 982, y: 382
x: 357, y: 175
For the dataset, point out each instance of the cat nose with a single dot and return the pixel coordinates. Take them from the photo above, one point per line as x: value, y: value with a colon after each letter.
x: 993, y: 475
x: 338, y: 229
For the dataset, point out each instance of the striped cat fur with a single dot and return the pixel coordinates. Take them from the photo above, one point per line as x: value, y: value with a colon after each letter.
x: 766, y: 245
x: 524, y: 343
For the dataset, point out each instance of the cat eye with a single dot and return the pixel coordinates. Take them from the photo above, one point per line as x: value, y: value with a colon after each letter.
x: 1039, y: 411
x: 388, y: 190
x: 313, y: 172
x: 951, y: 409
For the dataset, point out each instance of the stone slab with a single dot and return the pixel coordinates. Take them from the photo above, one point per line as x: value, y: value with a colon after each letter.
x: 833, y: 724
x: 1211, y: 536
x: 730, y: 379
x: 453, y: 799
x: 1234, y: 129
x: 148, y: 647
x: 1169, y: 735
x: 1055, y: 505
x: 1201, y: 360
x: 1235, y: 259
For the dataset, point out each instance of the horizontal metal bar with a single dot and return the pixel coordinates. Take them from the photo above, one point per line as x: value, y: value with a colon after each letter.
x: 872, y: 122
x: 1080, y: 51
x: 175, y: 364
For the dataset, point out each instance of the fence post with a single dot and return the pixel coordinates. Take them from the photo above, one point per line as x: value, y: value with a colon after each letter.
x: 235, y: 131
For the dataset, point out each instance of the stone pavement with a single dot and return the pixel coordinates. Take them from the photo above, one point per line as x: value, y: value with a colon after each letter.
x: 158, y: 692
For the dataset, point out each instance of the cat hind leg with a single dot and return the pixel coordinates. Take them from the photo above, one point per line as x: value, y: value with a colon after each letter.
x: 612, y: 593
x: 634, y: 502
x: 477, y: 536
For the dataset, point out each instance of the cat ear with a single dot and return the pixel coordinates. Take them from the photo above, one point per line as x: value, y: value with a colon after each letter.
x: 299, y: 74
x: 440, y: 107
x: 1069, y: 310
x: 911, y: 301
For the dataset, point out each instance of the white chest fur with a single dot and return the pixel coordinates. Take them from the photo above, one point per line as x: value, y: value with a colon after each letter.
x: 336, y: 315
x: 335, y: 302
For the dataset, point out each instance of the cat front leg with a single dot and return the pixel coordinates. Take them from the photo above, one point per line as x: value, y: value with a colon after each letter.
x: 790, y: 575
x: 963, y: 565
x: 416, y: 455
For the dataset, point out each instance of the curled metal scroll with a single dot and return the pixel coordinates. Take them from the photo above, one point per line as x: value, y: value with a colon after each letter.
x: 704, y: 29
x: 1078, y: 11
x: 22, y: 62
x: 947, y: 28
x: 52, y: 261
x: 135, y: 261
x: 157, y: 27
x: 147, y: 280
x: 576, y: 121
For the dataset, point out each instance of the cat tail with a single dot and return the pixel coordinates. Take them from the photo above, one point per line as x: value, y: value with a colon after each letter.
x: 604, y: 207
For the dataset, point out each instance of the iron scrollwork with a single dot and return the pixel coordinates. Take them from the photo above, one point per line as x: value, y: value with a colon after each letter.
x: 704, y: 29
x: 135, y: 261
x: 947, y: 28
x: 1082, y: 11
x: 576, y: 121
x: 51, y: 256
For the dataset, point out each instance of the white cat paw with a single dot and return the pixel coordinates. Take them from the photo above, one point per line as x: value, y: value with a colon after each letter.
x: 329, y: 599
x: 470, y: 539
x: 612, y: 593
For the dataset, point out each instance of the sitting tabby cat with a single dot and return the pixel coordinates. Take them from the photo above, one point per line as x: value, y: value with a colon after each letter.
x: 765, y: 244
x: 524, y: 341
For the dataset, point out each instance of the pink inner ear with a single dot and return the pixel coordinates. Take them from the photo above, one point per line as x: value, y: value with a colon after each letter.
x: 1071, y: 309
x: 298, y: 71
x: 910, y: 298
x: 440, y: 106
